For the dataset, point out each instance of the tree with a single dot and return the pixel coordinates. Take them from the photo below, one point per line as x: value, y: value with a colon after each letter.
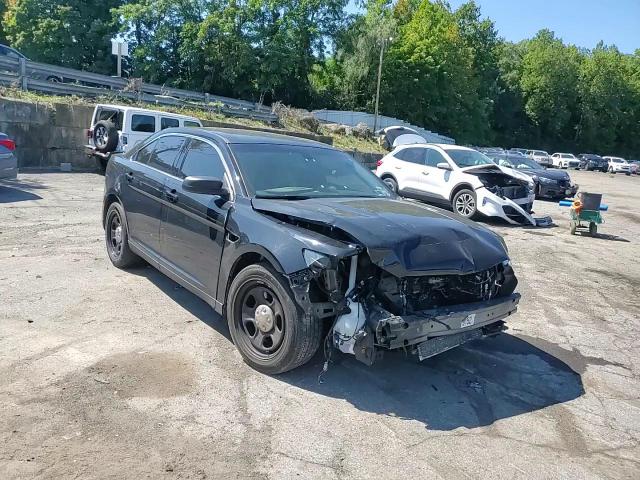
x: 605, y: 95
x: 71, y: 33
x: 429, y: 77
x: 549, y: 84
x: 3, y: 9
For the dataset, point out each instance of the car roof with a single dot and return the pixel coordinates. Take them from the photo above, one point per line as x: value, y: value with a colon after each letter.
x: 126, y: 108
x: 243, y: 136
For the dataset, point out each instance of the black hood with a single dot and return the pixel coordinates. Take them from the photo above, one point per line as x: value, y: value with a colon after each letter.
x: 404, y: 238
x: 553, y: 174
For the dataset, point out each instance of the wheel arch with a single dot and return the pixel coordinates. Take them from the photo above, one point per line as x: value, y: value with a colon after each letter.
x: 458, y: 187
x: 109, y: 199
x: 251, y: 255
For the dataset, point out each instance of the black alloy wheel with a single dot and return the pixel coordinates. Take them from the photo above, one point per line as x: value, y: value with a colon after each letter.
x: 260, y: 318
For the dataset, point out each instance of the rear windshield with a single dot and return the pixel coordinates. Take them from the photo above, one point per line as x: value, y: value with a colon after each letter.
x: 110, y: 115
x: 190, y: 123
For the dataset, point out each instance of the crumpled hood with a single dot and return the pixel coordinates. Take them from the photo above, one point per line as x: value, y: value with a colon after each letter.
x: 402, y: 237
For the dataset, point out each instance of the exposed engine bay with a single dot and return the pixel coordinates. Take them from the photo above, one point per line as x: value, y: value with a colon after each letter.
x: 501, y: 184
x: 374, y: 310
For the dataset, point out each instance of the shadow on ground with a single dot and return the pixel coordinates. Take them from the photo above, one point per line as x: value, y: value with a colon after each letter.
x: 13, y: 191
x: 470, y: 386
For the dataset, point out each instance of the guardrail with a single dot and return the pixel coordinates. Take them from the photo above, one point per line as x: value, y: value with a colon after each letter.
x: 52, y: 79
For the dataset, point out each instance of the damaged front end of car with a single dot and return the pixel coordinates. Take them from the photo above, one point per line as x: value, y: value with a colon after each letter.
x: 374, y: 311
x: 505, y: 195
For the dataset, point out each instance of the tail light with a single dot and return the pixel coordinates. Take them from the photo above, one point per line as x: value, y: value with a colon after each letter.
x: 379, y: 163
x: 8, y: 144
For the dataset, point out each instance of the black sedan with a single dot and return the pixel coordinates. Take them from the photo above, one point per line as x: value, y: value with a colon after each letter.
x: 298, y: 245
x: 590, y: 162
x: 550, y: 183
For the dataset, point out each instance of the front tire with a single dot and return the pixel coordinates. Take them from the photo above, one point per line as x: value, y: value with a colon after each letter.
x: 465, y: 203
x: 268, y: 328
x: 117, y: 238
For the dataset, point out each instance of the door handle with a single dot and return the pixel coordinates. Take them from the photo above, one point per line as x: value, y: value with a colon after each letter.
x: 397, y: 167
x: 424, y: 172
x: 171, y: 195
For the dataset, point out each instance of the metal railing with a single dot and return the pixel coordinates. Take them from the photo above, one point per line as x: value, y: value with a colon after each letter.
x: 51, y: 79
x: 354, y: 118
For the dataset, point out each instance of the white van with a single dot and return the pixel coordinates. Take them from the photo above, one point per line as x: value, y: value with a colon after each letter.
x: 116, y: 128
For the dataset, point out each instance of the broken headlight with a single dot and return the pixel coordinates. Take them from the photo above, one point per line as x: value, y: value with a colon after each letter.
x: 315, y: 260
x: 547, y: 181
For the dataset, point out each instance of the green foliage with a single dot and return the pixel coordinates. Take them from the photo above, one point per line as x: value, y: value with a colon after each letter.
x: 446, y: 70
x: 71, y: 33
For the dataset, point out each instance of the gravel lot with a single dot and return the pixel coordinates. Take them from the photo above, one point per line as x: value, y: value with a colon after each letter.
x: 112, y: 374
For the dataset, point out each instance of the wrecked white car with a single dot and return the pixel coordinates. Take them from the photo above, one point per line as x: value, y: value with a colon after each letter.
x: 462, y: 178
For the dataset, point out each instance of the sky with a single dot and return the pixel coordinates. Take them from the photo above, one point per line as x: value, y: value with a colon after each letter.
x: 580, y: 22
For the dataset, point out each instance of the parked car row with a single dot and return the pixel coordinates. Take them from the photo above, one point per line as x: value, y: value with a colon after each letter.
x: 584, y: 161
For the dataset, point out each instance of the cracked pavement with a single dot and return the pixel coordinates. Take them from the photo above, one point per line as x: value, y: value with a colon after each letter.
x: 113, y: 374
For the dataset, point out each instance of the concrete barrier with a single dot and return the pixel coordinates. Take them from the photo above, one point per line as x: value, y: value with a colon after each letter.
x: 47, y: 135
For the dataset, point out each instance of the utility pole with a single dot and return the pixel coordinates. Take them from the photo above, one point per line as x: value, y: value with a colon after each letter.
x: 375, y: 121
x: 119, y: 59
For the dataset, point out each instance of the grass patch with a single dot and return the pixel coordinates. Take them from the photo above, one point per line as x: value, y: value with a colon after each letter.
x: 288, y: 122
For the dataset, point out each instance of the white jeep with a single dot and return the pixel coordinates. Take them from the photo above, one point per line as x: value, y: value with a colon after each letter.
x: 116, y: 128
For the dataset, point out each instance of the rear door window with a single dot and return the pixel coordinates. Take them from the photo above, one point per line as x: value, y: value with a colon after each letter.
x: 143, y: 123
x: 412, y: 155
x: 166, y: 153
x: 166, y: 122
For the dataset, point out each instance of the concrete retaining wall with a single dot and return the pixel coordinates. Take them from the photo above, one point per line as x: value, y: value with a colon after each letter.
x: 48, y: 135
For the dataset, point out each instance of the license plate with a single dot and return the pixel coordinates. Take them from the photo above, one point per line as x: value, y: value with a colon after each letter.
x: 467, y: 322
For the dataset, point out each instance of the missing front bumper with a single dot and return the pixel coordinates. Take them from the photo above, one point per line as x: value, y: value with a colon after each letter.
x: 394, y: 331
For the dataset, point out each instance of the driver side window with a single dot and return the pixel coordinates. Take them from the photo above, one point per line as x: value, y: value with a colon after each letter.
x: 434, y: 157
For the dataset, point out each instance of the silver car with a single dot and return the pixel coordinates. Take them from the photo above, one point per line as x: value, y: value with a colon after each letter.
x: 8, y: 161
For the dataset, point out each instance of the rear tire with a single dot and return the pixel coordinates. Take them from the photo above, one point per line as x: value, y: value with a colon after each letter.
x: 391, y: 183
x: 267, y: 326
x: 105, y: 136
x: 465, y: 203
x: 116, y: 235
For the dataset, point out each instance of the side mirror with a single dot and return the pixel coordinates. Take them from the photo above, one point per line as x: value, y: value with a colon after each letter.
x: 444, y: 166
x: 205, y: 186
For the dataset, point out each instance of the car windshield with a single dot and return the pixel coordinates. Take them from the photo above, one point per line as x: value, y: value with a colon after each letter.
x: 520, y: 163
x: 468, y: 158
x: 295, y: 172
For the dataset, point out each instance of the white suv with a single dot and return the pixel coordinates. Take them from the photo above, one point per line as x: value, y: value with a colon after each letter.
x: 117, y: 128
x: 618, y: 164
x: 459, y: 177
x: 565, y: 160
